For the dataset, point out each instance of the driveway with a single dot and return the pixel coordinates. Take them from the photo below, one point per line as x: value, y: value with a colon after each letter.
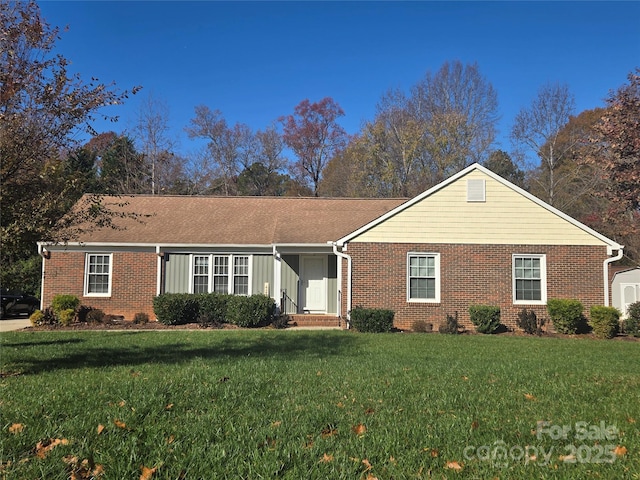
x: 15, y: 323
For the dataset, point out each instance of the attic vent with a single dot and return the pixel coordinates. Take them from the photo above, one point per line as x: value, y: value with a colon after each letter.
x: 475, y: 190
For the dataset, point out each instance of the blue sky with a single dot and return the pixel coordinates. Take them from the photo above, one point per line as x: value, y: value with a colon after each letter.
x: 256, y: 61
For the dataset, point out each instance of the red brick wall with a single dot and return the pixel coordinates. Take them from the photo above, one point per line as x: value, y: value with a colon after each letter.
x: 133, y: 282
x: 470, y: 274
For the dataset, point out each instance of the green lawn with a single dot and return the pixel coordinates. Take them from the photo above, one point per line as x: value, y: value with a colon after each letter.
x: 317, y: 404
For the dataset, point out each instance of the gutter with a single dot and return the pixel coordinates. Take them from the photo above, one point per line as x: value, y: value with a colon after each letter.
x: 605, y: 268
x: 348, y: 259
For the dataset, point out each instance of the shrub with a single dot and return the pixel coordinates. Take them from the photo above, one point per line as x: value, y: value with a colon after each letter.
x: 566, y: 314
x: 280, y: 321
x: 66, y: 316
x: 140, y: 318
x: 252, y: 311
x: 421, y: 326
x: 95, y: 316
x: 605, y: 321
x: 176, y: 308
x: 64, y: 302
x: 451, y: 326
x: 486, y: 318
x: 212, y: 308
x: 529, y: 322
x: 372, y: 320
x: 632, y: 322
x: 36, y: 318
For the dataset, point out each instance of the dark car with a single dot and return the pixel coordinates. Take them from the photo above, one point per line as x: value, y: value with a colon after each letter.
x: 14, y: 302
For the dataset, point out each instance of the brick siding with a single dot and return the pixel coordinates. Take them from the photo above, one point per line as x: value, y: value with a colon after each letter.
x: 470, y: 274
x: 132, y: 289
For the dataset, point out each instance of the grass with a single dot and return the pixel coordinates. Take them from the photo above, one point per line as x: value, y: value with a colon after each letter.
x: 323, y: 404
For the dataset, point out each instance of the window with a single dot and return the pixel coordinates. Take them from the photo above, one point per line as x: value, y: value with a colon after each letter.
x: 97, y: 274
x: 241, y: 275
x: 423, y: 273
x: 529, y: 279
x: 201, y: 274
x: 221, y: 274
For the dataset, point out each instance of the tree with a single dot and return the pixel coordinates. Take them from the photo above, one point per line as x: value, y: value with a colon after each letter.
x: 616, y: 149
x: 500, y: 162
x: 42, y: 108
x: 232, y: 149
x: 122, y: 169
x: 152, y: 133
x: 315, y: 136
x: 536, y: 129
x: 457, y: 107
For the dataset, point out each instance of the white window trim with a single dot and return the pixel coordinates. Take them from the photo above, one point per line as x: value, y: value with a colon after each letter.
x: 230, y: 270
x: 438, y: 277
x: 543, y: 278
x: 86, y: 292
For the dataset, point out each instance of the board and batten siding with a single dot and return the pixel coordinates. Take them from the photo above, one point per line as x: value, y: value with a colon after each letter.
x: 178, y: 268
x: 262, y: 273
x: 505, y: 217
x: 290, y: 278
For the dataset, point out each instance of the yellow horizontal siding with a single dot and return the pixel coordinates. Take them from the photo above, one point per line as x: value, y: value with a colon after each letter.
x: 507, y: 217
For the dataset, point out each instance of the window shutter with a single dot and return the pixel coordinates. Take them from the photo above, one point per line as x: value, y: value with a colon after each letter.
x: 476, y: 190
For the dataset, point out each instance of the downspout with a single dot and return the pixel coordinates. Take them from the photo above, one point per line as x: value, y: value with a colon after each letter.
x: 160, y: 256
x: 44, y: 253
x: 277, y: 278
x: 348, y: 259
x: 605, y: 267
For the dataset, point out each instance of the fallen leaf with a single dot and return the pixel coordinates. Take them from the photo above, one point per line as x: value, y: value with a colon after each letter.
x: 369, y: 411
x: 171, y: 439
x: 169, y: 406
x: 318, y: 373
x: 371, y: 477
x: 44, y: 447
x: 620, y: 451
x: 276, y: 424
x: 340, y: 405
x: 464, y: 377
x: 631, y: 420
x: 16, y: 428
x: 359, y: 429
x: 329, y: 432
x: 454, y: 466
x: 432, y: 451
x: 70, y: 459
x: 326, y: 458
x: 366, y: 463
x: 393, y: 460
x: 122, y: 403
x: 528, y: 396
x: 567, y: 458
x: 100, y: 429
x: 119, y: 424
x: 474, y: 425
x: 147, y: 472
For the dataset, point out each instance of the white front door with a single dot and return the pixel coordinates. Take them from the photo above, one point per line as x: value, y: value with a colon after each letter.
x: 314, y: 284
x: 629, y: 296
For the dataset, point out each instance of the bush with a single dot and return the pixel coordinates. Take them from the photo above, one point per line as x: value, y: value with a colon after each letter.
x: 632, y: 322
x: 486, y: 318
x: 95, y: 316
x: 65, y: 302
x: 372, y: 320
x: 529, y: 322
x: 66, y: 316
x: 140, y: 318
x: 605, y: 321
x: 212, y: 308
x: 36, y: 318
x: 566, y: 314
x: 451, y: 325
x: 421, y: 326
x: 252, y: 311
x: 176, y: 308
